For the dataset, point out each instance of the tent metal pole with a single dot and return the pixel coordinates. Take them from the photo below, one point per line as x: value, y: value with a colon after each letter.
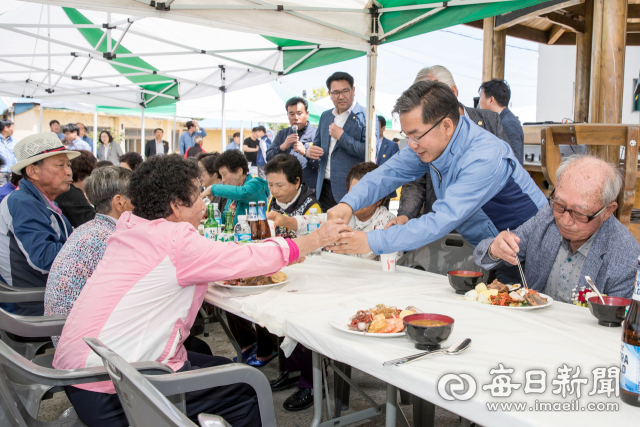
x: 372, y: 122
x: 242, y: 135
x: 174, y: 137
x: 142, y: 141
x: 49, y: 44
x: 95, y: 133
x: 224, y: 127
x: 108, y: 33
x: 41, y: 118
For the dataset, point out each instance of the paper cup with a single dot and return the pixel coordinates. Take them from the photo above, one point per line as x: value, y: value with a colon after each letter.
x: 388, y: 262
x: 272, y: 228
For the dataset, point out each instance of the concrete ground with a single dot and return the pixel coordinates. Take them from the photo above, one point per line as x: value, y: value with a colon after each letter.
x: 51, y: 409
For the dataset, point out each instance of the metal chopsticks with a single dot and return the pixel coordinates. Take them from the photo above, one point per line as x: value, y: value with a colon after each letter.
x: 524, y: 281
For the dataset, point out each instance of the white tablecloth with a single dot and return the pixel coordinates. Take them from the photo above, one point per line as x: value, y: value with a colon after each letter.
x: 521, y: 340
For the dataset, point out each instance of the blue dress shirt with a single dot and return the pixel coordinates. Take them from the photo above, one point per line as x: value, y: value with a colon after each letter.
x: 6, y: 151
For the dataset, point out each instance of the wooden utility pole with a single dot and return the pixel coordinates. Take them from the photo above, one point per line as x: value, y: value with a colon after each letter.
x: 493, y: 51
x: 607, y: 65
x: 583, y: 66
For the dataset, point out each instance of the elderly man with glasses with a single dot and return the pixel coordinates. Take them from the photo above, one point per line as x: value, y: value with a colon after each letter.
x: 575, y: 236
x: 480, y: 187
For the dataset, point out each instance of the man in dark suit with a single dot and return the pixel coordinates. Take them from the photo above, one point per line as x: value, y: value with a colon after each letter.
x: 386, y: 148
x: 419, y: 195
x: 296, y: 143
x: 495, y: 96
x: 340, y: 141
x: 156, y: 146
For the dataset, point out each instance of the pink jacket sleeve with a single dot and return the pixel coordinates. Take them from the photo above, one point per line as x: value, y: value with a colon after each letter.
x: 199, y: 260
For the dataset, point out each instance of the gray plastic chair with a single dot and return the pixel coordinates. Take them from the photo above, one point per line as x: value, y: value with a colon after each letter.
x: 13, y: 412
x: 12, y: 325
x: 143, y: 400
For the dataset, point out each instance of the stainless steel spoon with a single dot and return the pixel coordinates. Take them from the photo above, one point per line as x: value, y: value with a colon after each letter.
x: 452, y: 350
x: 593, y: 286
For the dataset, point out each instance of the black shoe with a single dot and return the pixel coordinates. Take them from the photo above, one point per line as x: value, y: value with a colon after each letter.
x: 299, y: 401
x: 284, y: 382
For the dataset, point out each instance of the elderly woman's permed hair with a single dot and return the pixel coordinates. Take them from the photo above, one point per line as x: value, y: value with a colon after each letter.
x: 160, y: 181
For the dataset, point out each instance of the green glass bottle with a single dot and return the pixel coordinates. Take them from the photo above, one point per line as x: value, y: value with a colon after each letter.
x: 228, y: 226
x: 211, y: 226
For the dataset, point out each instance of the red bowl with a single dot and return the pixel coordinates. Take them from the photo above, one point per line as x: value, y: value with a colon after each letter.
x: 612, y: 312
x: 427, y: 337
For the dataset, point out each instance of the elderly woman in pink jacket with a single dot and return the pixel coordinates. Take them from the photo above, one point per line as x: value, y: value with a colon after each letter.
x: 144, y: 294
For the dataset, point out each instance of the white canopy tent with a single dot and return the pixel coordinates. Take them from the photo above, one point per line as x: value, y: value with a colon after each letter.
x: 308, y: 34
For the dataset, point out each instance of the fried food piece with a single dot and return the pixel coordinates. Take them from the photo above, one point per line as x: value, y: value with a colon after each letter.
x: 377, y: 323
x: 405, y: 313
x: 390, y: 327
x: 278, y: 277
x: 499, y: 287
x: 388, y: 311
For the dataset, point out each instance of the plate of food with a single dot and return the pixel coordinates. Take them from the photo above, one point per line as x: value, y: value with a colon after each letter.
x: 381, y: 321
x: 508, y: 296
x: 256, y: 283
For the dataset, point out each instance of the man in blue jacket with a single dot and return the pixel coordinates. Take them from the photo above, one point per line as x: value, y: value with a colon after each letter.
x: 340, y: 142
x: 186, y: 139
x: 481, y: 188
x: 32, y: 227
x: 296, y: 143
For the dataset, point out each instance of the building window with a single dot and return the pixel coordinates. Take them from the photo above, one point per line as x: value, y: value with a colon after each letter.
x: 636, y: 98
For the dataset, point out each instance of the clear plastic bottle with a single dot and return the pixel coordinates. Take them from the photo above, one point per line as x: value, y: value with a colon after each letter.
x: 242, y: 231
x: 313, y: 223
x: 217, y: 214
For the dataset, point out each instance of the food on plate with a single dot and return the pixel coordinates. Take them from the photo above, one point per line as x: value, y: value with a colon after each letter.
x: 500, y: 287
x: 381, y: 319
x: 504, y: 295
x: 428, y: 323
x: 278, y: 277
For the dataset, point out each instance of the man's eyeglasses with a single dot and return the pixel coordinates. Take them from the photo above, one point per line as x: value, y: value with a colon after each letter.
x: 577, y: 216
x: 337, y: 93
x: 417, y: 140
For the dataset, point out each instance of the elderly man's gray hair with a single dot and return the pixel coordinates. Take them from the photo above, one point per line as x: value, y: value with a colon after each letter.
x: 612, y: 184
x: 435, y: 72
x: 103, y: 185
x: 197, y: 139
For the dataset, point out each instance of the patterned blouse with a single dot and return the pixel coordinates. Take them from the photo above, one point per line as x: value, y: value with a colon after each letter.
x: 74, y: 264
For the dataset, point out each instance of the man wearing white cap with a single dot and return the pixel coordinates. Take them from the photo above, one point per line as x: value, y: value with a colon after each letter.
x: 32, y: 227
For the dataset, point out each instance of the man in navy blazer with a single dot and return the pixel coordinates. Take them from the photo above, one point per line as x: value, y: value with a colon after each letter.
x: 340, y: 141
x: 296, y: 144
x: 386, y: 148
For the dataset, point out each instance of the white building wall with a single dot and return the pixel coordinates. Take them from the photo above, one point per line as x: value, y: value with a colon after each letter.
x: 556, y: 80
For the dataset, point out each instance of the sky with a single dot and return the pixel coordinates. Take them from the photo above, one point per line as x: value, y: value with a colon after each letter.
x: 457, y: 48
